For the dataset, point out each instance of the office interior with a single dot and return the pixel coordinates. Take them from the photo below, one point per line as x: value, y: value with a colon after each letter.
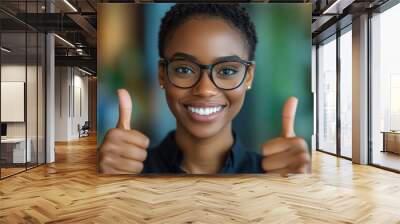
x: 49, y: 96
x: 359, y: 88
x: 48, y: 81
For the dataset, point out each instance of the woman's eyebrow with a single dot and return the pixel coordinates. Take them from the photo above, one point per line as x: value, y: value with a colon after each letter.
x: 184, y: 56
x: 179, y: 55
x: 228, y: 58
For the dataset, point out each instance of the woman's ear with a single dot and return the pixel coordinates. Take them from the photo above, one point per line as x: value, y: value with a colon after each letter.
x: 161, y: 73
x: 250, y: 75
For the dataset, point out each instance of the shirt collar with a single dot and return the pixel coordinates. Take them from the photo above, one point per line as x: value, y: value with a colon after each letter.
x: 173, y: 156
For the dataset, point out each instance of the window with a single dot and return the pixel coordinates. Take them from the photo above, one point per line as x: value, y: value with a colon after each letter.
x: 346, y: 92
x: 385, y: 89
x: 327, y: 96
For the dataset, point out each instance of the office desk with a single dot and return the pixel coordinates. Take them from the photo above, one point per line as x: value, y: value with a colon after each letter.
x: 391, y: 141
x: 13, y: 150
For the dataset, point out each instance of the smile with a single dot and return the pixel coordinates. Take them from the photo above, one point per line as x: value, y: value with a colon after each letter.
x: 204, y: 111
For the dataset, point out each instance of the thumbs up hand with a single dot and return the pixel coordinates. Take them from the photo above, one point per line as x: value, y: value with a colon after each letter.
x: 123, y: 150
x: 288, y: 153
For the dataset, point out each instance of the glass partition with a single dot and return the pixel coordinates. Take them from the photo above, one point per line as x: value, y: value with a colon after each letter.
x: 41, y: 96
x: 31, y: 99
x: 14, y: 153
x: 22, y: 78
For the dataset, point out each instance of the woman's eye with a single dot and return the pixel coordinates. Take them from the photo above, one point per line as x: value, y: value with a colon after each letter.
x: 184, y: 70
x: 227, y: 72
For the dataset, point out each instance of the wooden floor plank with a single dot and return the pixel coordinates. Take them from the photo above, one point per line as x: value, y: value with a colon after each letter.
x: 70, y: 191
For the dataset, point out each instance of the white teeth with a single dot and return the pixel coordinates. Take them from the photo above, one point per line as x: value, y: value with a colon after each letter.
x: 204, y: 111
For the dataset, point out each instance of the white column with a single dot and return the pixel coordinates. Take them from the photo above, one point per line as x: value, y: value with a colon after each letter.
x: 50, y: 92
x: 314, y: 93
x: 360, y: 90
x: 50, y: 99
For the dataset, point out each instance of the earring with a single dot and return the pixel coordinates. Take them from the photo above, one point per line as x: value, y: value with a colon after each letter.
x: 248, y: 87
x: 161, y: 86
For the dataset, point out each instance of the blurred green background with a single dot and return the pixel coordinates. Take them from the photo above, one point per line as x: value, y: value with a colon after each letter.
x: 128, y: 56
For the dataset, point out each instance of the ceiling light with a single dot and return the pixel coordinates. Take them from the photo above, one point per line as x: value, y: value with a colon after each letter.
x: 70, y: 5
x: 84, y: 71
x: 65, y: 41
x: 329, y: 9
x: 5, y: 50
x: 338, y: 6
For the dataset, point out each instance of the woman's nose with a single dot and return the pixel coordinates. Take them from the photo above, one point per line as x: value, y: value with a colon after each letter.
x: 205, y: 87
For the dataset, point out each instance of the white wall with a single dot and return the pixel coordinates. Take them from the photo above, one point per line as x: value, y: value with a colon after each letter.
x: 71, y: 94
x: 81, y: 84
x: 62, y: 81
x: 16, y: 73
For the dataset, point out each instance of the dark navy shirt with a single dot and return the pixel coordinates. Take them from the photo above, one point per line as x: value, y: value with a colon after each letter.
x: 167, y: 158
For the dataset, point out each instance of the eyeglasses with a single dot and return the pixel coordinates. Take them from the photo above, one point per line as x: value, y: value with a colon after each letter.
x: 226, y: 75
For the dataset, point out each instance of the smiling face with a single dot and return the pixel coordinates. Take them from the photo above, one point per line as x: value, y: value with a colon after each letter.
x: 204, y: 110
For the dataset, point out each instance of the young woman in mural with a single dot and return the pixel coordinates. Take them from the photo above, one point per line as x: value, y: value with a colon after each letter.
x: 206, y: 67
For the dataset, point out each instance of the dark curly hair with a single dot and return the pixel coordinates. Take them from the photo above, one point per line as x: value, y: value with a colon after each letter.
x: 233, y: 13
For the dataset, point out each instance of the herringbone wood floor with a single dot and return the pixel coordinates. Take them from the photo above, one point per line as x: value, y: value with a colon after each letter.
x: 70, y: 191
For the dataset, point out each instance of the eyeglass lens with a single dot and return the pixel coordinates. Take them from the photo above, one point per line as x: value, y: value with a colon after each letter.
x: 226, y: 75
